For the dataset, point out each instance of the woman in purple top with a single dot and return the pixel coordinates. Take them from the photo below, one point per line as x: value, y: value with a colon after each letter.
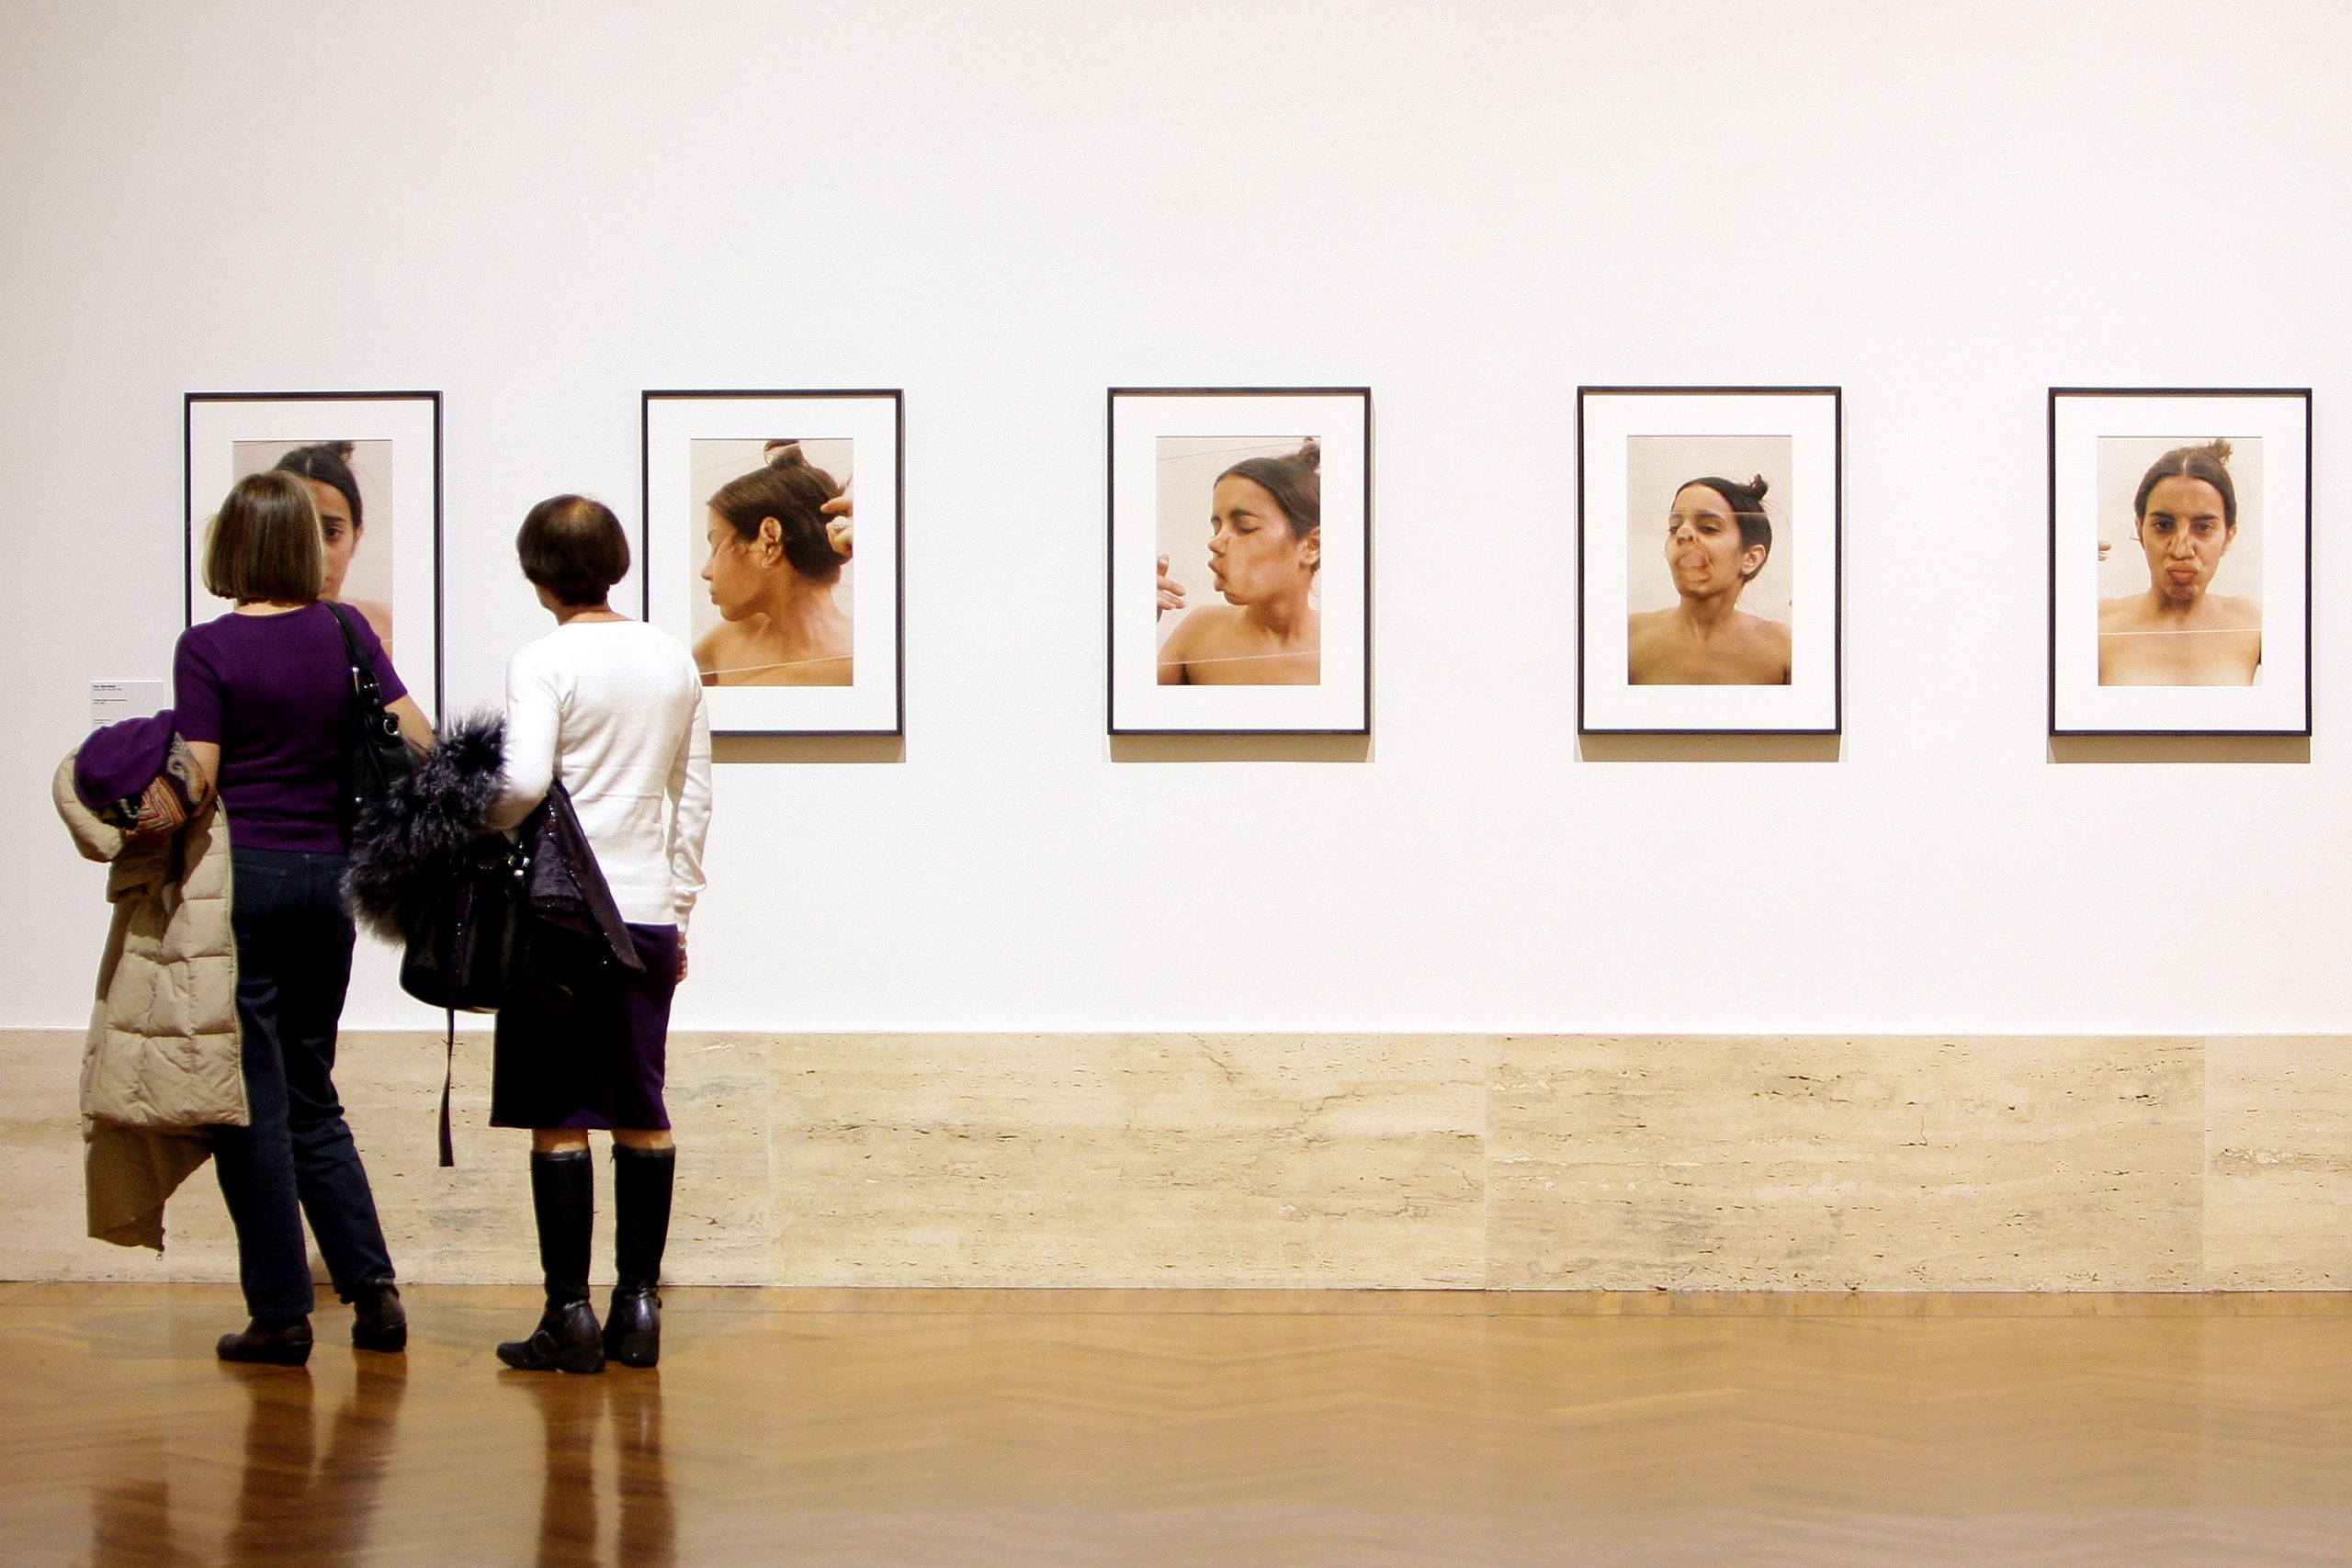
x: 262, y: 696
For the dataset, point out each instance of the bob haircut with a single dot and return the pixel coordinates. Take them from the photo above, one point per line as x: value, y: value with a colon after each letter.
x: 574, y: 548
x: 790, y: 488
x: 263, y: 546
x: 2209, y: 462
x: 329, y: 462
x: 1746, y: 503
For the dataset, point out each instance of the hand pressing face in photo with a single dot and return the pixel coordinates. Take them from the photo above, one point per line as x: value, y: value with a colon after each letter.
x: 1254, y: 555
x: 2185, y: 531
x: 1704, y: 549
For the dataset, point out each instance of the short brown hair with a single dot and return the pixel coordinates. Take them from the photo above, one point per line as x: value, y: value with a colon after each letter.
x: 574, y: 548
x: 264, y: 544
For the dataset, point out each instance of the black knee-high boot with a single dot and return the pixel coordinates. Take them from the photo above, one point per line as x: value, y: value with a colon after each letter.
x: 642, y: 1182
x: 563, y: 1198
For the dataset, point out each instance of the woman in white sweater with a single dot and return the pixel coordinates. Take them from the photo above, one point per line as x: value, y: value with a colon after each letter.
x: 613, y: 708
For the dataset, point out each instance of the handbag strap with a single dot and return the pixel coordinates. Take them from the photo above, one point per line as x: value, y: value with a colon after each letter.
x: 367, y: 692
x: 449, y: 1072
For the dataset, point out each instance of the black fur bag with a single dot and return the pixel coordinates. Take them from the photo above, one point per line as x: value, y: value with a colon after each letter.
x: 414, y: 850
x: 409, y: 845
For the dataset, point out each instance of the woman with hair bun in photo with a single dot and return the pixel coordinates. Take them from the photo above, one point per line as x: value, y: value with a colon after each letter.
x: 2185, y: 516
x: 1265, y: 548
x: 326, y: 467
x: 1718, y: 537
x: 778, y: 538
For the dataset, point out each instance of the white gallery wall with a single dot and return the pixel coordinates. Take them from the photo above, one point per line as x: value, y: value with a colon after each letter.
x: 1471, y: 208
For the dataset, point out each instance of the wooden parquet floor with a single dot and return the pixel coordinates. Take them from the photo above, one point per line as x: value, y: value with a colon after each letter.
x: 1037, y: 1429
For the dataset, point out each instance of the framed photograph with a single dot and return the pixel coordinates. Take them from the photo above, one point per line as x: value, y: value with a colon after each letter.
x: 772, y: 537
x: 1240, y: 560
x: 2180, y: 544
x: 373, y: 463
x: 1707, y: 560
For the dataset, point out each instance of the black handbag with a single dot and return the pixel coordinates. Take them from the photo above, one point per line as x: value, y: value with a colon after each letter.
x: 377, y: 755
x: 465, y: 933
x: 509, y: 918
x: 488, y: 926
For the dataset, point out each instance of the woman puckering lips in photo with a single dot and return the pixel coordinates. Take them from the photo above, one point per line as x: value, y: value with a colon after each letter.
x: 1265, y: 547
x: 2185, y: 516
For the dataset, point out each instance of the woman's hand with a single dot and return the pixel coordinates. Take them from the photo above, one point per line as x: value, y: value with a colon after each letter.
x: 838, y: 532
x: 682, y: 957
x: 1171, y: 593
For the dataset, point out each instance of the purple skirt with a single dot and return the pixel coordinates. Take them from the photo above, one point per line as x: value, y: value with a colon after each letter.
x: 600, y: 1060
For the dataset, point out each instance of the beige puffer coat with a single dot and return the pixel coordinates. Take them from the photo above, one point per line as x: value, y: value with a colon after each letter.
x: 161, y: 1062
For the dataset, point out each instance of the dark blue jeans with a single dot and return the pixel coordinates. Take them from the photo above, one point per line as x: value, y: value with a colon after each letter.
x: 297, y: 1157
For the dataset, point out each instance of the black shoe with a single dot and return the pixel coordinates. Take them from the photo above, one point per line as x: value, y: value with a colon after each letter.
x: 275, y: 1342
x: 633, y: 1328
x: 378, y: 1321
x: 567, y: 1340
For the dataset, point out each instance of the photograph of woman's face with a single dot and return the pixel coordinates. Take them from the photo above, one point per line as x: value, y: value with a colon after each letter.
x: 2179, y: 525
x: 776, y: 605
x: 1239, y: 538
x: 1704, y: 549
x: 1254, y: 554
x: 359, y: 549
x: 2182, y: 548
x: 1682, y: 540
x: 2184, y: 533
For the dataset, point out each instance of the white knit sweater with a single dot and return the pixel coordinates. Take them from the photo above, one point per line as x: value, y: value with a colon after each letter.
x: 615, y: 708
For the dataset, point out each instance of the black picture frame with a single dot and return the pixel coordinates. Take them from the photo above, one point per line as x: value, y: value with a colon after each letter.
x: 1135, y: 702
x: 2089, y: 484
x: 671, y: 532
x: 1609, y: 701
x: 209, y: 419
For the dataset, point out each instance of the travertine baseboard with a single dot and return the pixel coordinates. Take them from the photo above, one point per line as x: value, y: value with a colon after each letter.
x: 1323, y: 1160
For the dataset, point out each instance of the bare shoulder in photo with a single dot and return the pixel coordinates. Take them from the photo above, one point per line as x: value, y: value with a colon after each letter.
x: 778, y: 546
x: 1240, y: 519
x: 1700, y: 610
x: 2175, y: 625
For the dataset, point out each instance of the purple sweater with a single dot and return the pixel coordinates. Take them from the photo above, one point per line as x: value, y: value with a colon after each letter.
x: 273, y: 692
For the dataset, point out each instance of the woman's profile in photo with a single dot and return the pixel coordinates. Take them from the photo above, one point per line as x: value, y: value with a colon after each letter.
x: 2178, y: 632
x: 325, y: 466
x: 1718, y: 536
x: 778, y: 537
x: 1265, y: 547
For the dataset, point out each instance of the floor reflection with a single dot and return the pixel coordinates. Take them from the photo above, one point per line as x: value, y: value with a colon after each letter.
x: 630, y: 1407
x: 302, y: 1502
x: 130, y: 1522
x: 298, y: 1498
